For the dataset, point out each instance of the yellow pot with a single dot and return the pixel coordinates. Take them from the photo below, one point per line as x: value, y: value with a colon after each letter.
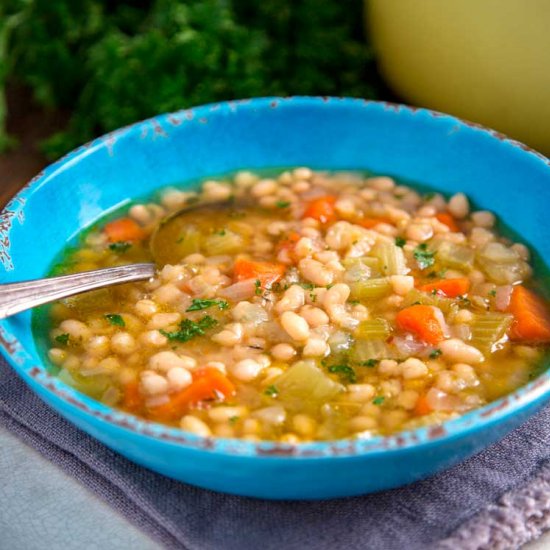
x: 484, y: 60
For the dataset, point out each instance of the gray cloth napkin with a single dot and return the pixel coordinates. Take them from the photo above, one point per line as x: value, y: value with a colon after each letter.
x: 498, y: 499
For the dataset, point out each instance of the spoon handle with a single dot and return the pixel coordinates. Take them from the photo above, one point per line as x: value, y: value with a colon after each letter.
x: 17, y: 297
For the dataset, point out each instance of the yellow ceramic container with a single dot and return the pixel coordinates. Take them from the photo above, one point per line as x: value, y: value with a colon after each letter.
x: 484, y: 60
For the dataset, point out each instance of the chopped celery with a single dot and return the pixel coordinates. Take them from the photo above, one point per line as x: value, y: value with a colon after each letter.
x: 455, y: 256
x: 502, y: 265
x: 392, y: 258
x: 487, y: 329
x: 359, y: 269
x: 94, y: 386
x: 369, y: 349
x: 223, y: 242
x: 373, y: 329
x: 370, y: 289
x: 305, y: 385
x: 415, y: 296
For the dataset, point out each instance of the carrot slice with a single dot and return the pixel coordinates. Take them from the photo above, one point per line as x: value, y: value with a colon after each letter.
x: 132, y: 401
x: 124, y: 229
x: 531, y: 316
x: 369, y: 223
x: 450, y: 287
x: 423, y: 321
x: 448, y: 220
x: 422, y: 407
x: 208, y: 383
x: 321, y: 209
x: 266, y: 272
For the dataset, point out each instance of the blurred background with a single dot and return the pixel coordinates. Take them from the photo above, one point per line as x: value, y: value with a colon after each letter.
x: 70, y: 71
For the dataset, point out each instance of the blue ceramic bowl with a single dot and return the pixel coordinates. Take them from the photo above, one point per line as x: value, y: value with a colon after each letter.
x: 416, y: 144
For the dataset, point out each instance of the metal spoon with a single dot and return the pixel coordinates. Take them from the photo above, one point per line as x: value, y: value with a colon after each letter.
x: 17, y: 297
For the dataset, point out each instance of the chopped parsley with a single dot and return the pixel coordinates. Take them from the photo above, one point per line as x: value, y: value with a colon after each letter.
x: 120, y: 247
x: 345, y: 372
x: 62, y: 339
x: 465, y: 301
x: 190, y: 329
x: 370, y: 363
x: 282, y: 204
x: 115, y: 319
x: 400, y: 242
x: 378, y: 400
x: 199, y: 303
x: 271, y: 391
x: 258, y: 285
x: 434, y: 292
x: 221, y: 232
x: 313, y: 297
x: 493, y: 293
x: 307, y: 286
x: 423, y: 256
x: 435, y: 353
x: 233, y: 419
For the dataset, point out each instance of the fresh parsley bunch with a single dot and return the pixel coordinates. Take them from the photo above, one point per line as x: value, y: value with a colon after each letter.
x: 112, y: 63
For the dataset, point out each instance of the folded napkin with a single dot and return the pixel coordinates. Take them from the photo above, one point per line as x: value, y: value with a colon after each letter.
x: 498, y: 499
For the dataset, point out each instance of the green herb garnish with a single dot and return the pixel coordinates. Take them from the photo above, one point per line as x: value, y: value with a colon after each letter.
x: 199, y: 303
x: 190, y: 329
x: 115, y: 319
x: 435, y: 354
x: 282, y: 204
x: 258, y: 285
x: 378, y: 400
x: 400, y: 241
x: 233, y: 419
x: 423, y: 256
x: 62, y: 339
x: 370, y: 363
x: 307, y: 286
x: 221, y: 232
x: 271, y: 391
x: 345, y: 372
x: 493, y: 293
x: 120, y: 247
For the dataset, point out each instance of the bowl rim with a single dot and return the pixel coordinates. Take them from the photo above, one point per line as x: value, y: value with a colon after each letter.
x: 473, y: 421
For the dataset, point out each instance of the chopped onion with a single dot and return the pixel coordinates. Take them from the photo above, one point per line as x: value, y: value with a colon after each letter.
x: 440, y: 401
x: 157, y: 401
x: 239, y: 291
x: 253, y: 314
x: 408, y: 346
x: 275, y: 415
x: 502, y: 297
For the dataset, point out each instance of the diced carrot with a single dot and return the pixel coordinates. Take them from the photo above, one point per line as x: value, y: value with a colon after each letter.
x: 423, y: 321
x: 531, y: 316
x: 208, y: 384
x: 321, y: 208
x: 124, y: 229
x: 132, y: 400
x: 370, y: 222
x: 266, y: 272
x: 448, y: 220
x: 450, y: 287
x: 422, y: 407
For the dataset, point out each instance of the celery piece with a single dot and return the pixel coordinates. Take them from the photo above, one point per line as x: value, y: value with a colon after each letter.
x: 415, y: 296
x: 359, y: 269
x: 392, y: 258
x: 455, y: 256
x: 365, y: 350
x: 94, y: 386
x: 373, y: 329
x: 370, y: 289
x: 487, y: 329
x: 305, y: 385
x: 502, y: 265
x: 223, y: 242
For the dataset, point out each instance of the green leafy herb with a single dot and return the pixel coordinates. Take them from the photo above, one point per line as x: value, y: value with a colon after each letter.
x: 221, y: 232
x: 199, y: 303
x: 190, y: 329
x: 120, y: 247
x: 62, y: 339
x: 313, y: 297
x: 435, y: 354
x: 378, y: 400
x: 271, y: 391
x: 282, y: 204
x: 345, y: 372
x: 307, y: 286
x: 464, y: 301
x: 115, y: 319
x: 354, y: 302
x: 400, y: 241
x: 493, y: 293
x: 258, y: 285
x: 233, y: 419
x: 423, y: 256
x: 434, y: 292
x: 370, y: 363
